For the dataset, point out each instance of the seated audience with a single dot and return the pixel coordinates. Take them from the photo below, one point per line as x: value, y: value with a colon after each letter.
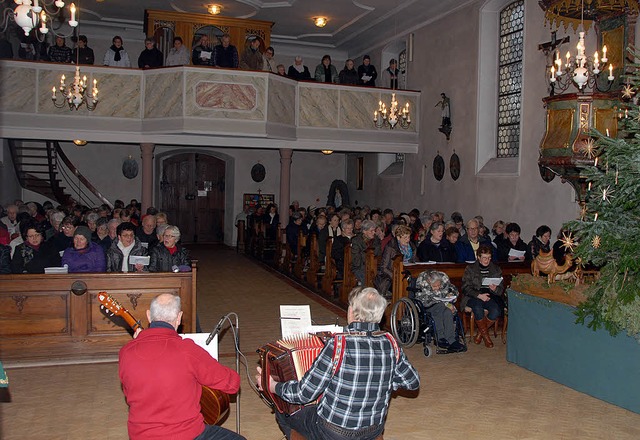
x: 339, y: 243
x: 360, y: 243
x: 280, y: 70
x: 251, y: 58
x: 540, y: 242
x: 499, y: 232
x: 178, y: 55
x: 513, y: 241
x: 161, y: 219
x: 55, y: 220
x: 225, y: 54
x: 269, y: 62
x: 435, y: 247
x: 457, y: 218
x: 348, y: 75
x: 169, y: 256
x: 292, y: 230
x: 400, y: 244
x: 90, y: 219
x: 64, y: 239
x: 321, y: 230
x: 126, y: 245
x: 391, y: 75
x: 467, y: 245
x: 270, y: 222
x: 202, y: 54
x: 333, y: 230
x: 60, y: 53
x: 479, y: 296
x: 83, y: 54
x: 326, y: 72
x: 367, y: 72
x: 299, y: 71
x: 116, y: 56
x: 85, y: 255
x: 10, y: 221
x: 151, y: 56
x: 101, y: 235
x: 34, y: 254
x: 437, y: 294
x: 146, y: 232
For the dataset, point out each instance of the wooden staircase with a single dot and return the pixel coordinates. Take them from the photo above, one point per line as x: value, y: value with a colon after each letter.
x: 39, y: 168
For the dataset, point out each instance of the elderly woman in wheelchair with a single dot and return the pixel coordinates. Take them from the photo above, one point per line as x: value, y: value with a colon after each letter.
x: 429, y: 314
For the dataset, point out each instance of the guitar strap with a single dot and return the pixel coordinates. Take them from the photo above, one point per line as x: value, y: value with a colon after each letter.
x: 340, y: 344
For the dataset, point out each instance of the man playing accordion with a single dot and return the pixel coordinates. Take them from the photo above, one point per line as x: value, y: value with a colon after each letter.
x: 355, y: 381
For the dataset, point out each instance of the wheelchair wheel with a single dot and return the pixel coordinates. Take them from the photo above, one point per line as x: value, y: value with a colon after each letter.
x: 405, y: 322
x: 428, y: 351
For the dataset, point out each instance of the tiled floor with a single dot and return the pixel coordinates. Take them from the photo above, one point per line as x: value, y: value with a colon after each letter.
x: 473, y: 395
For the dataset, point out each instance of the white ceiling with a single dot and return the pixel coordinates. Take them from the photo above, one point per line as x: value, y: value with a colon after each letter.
x: 353, y: 25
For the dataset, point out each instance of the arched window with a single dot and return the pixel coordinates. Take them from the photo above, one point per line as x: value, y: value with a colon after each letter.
x: 511, y: 42
x: 501, y: 54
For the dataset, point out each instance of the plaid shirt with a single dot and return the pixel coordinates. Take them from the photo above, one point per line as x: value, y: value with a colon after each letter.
x: 357, y: 395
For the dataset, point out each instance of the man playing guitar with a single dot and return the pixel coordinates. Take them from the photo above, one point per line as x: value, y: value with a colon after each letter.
x: 356, y: 392
x: 162, y: 377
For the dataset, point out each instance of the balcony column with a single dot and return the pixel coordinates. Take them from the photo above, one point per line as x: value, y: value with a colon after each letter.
x: 147, y: 175
x: 285, y: 185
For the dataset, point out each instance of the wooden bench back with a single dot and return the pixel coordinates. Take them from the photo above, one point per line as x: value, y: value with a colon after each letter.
x: 371, y: 263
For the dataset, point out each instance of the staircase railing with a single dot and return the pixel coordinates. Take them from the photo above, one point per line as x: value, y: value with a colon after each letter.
x: 77, y: 178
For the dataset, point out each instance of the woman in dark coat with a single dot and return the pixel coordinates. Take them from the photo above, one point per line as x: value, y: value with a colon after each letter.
x: 169, y: 256
x: 34, y: 254
x: 400, y: 244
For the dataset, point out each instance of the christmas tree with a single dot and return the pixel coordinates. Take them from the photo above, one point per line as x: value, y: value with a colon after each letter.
x: 607, y: 234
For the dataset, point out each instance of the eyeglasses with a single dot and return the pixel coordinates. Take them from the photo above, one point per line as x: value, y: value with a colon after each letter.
x: 169, y: 236
x: 36, y: 235
x: 67, y: 226
x: 127, y: 235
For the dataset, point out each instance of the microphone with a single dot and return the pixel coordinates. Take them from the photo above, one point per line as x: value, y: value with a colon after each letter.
x: 216, y: 330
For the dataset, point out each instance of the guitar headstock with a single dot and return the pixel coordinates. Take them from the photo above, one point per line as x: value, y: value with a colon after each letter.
x: 109, y: 304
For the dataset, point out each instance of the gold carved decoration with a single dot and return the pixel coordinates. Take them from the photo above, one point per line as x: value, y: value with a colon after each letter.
x: 248, y: 32
x: 20, y: 300
x: 559, y: 128
x: 133, y: 299
x: 606, y: 119
x: 614, y: 40
x: 158, y: 24
x: 584, y: 118
x: 567, y: 13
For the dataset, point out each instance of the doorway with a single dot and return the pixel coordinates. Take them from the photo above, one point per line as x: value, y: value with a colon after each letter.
x: 192, y: 196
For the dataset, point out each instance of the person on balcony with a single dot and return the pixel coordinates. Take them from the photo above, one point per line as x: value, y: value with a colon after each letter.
x: 367, y: 72
x: 150, y: 57
x: 298, y: 70
x: 85, y: 255
x: 326, y: 72
x: 269, y: 63
x: 202, y: 54
x: 390, y: 75
x: 83, y: 54
x: 178, y: 55
x: 251, y: 58
x: 116, y: 56
x: 225, y: 54
x: 348, y: 75
x: 60, y: 53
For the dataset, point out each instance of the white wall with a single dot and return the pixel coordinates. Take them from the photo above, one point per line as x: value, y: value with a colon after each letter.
x: 446, y: 60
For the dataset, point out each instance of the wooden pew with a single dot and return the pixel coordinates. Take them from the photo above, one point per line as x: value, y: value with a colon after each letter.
x: 241, y: 239
x: 370, y: 267
x: 298, y: 267
x: 330, y: 271
x: 349, y: 280
x: 314, y: 263
x: 44, y: 321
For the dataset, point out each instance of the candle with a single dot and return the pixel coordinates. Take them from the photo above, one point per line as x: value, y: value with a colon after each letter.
x: 616, y: 174
x: 62, y: 78
x: 43, y: 26
x: 73, y: 12
x: 589, y: 187
x: 553, y: 74
x: 610, y: 78
x: 595, y: 162
x: 595, y: 217
x: 608, y: 133
x: 53, y: 93
x: 604, y: 54
x: 568, y: 57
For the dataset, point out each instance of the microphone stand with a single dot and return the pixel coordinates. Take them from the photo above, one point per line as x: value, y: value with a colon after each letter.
x: 236, y: 340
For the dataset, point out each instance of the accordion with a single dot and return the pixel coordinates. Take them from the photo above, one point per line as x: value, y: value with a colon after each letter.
x: 284, y: 360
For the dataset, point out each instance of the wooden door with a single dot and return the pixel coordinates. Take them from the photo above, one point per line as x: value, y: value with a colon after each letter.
x: 192, y: 188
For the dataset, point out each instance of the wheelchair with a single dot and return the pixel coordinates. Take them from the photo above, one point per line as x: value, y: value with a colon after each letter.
x: 411, y: 322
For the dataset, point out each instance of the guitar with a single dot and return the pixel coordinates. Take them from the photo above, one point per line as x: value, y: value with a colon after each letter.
x: 214, y: 404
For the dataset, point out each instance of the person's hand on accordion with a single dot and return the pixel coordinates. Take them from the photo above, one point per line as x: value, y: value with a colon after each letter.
x: 272, y: 382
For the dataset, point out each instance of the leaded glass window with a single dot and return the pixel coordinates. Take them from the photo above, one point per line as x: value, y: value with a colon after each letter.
x: 511, y: 42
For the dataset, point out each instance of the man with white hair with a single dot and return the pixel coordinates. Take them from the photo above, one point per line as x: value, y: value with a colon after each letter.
x: 355, y: 383
x: 162, y: 377
x: 299, y: 71
x: 11, y: 221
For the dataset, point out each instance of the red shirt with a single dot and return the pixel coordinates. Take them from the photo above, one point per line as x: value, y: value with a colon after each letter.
x: 161, y: 377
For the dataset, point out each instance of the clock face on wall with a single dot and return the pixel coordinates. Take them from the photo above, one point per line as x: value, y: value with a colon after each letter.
x: 258, y: 172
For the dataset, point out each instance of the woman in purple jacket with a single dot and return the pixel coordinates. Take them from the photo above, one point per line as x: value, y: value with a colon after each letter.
x: 85, y: 255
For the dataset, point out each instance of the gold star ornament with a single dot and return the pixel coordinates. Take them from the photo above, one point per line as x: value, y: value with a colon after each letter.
x: 595, y: 242
x: 627, y: 92
x: 606, y: 193
x: 588, y: 148
x: 568, y: 242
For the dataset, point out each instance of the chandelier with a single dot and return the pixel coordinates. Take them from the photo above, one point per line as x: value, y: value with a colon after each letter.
x: 29, y: 13
x: 581, y: 70
x: 392, y: 117
x: 76, y: 94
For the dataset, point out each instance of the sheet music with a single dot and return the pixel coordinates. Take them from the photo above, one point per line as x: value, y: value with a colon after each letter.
x: 63, y: 269
x: 205, y: 55
x: 136, y: 259
x: 294, y: 319
x: 490, y: 281
x: 201, y: 341
x: 516, y: 253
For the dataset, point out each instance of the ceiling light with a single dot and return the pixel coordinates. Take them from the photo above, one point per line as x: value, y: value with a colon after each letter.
x: 80, y: 142
x: 320, y: 21
x: 327, y: 152
x: 214, y: 9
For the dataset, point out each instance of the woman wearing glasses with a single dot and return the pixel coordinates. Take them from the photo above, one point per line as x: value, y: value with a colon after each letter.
x: 169, y: 256
x: 34, y: 254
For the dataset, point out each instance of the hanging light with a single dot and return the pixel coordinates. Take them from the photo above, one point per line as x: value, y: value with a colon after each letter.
x: 76, y: 93
x: 29, y: 13
x: 392, y: 117
x: 214, y: 9
x: 320, y: 21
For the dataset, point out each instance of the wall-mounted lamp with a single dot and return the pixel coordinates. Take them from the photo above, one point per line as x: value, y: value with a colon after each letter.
x: 80, y: 142
x: 320, y: 21
x: 327, y: 152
